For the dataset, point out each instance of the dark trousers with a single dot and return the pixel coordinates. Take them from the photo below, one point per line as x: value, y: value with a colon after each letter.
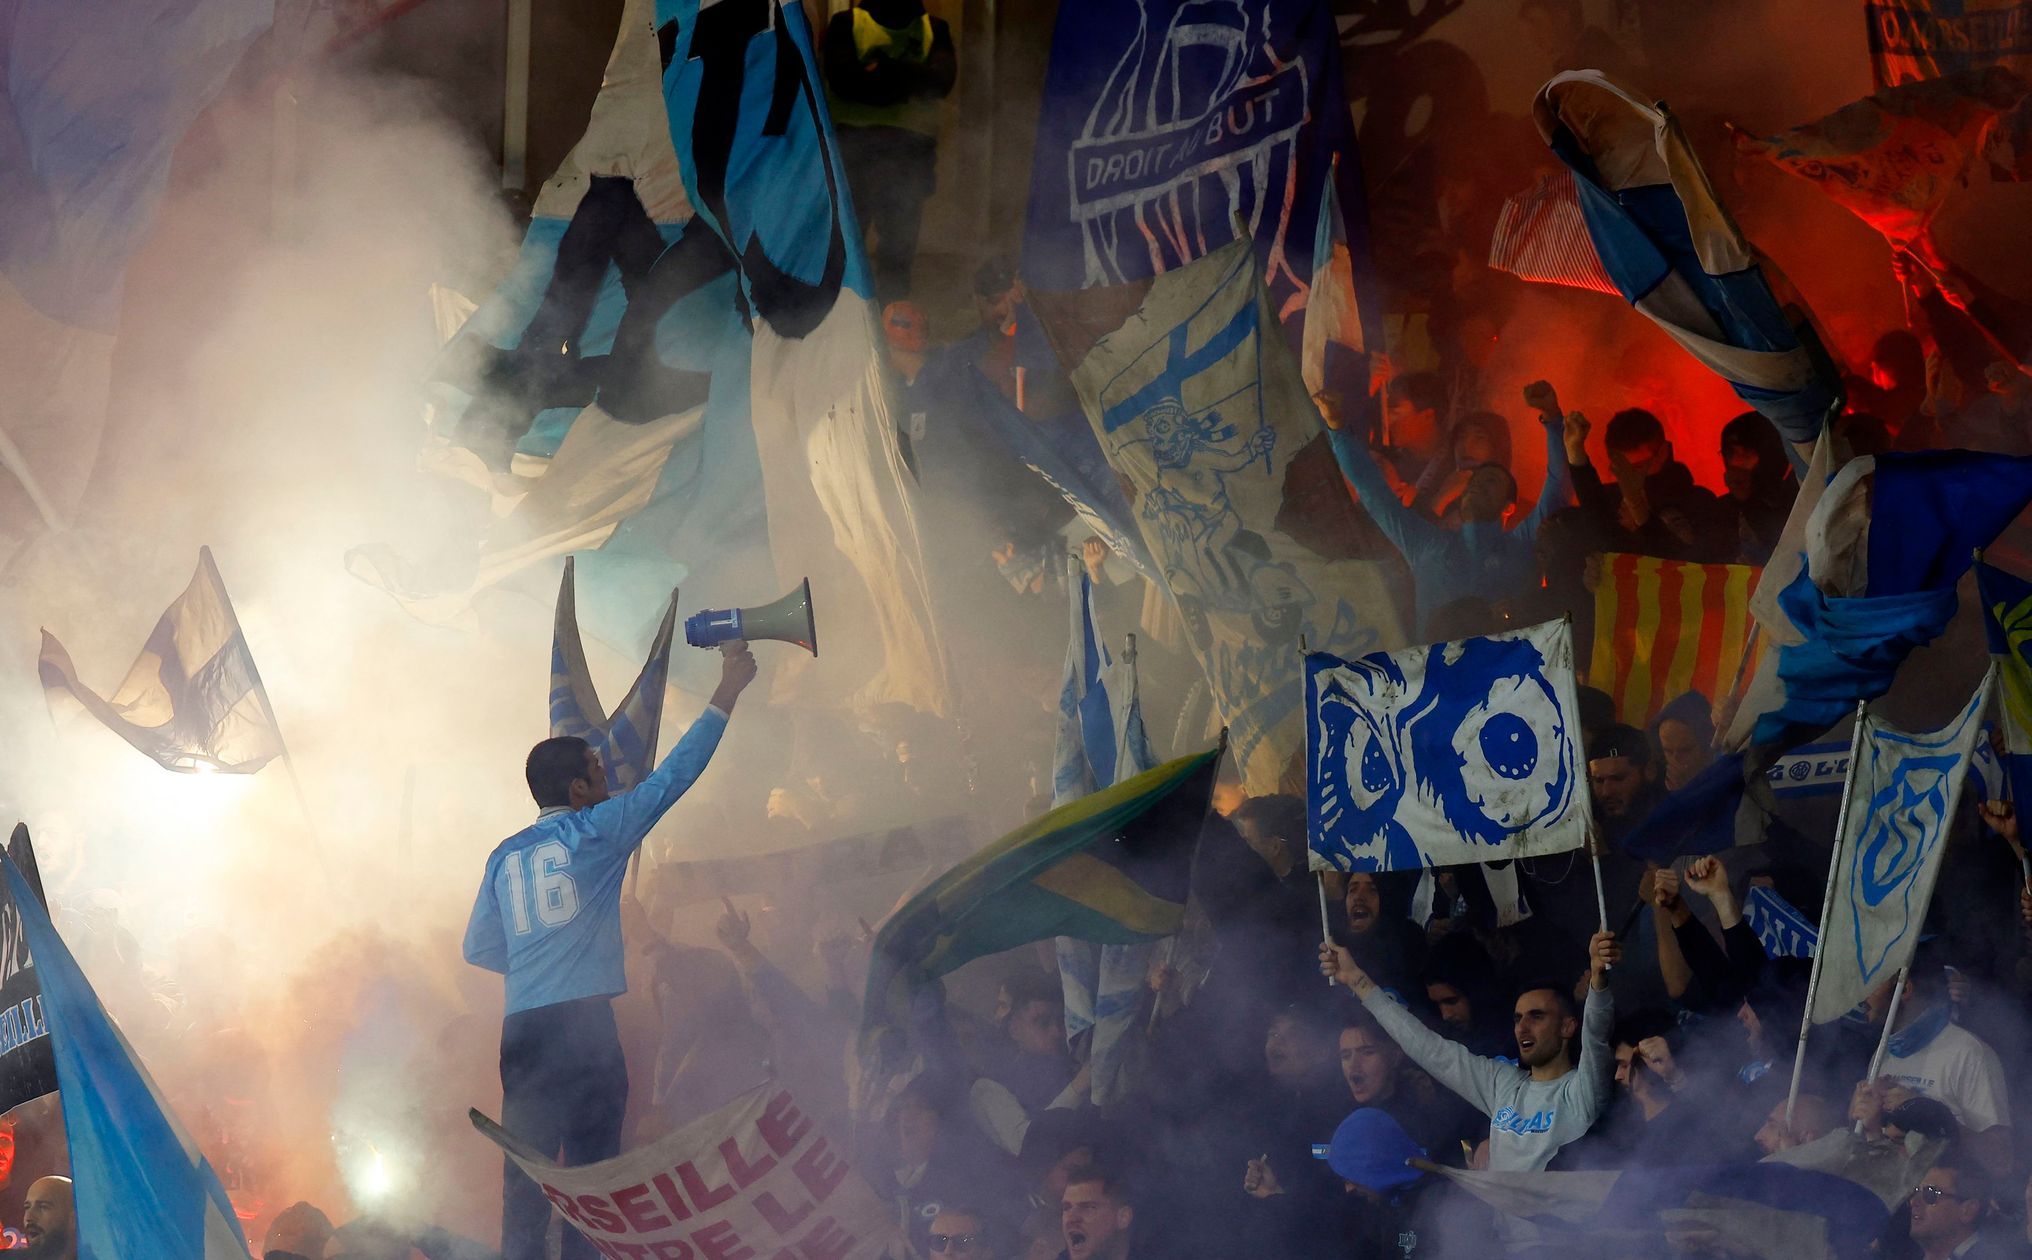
x: 564, y: 1087
x: 890, y: 172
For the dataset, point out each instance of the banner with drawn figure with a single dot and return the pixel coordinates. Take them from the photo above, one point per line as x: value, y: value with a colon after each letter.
x: 1202, y: 414
x: 1164, y: 121
x: 1903, y: 792
x: 27, y: 1064
x: 1926, y: 39
x: 755, y: 1178
x: 1445, y: 754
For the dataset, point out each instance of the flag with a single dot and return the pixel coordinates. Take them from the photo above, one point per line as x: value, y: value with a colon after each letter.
x: 95, y: 96
x: 2007, y: 616
x: 748, y: 120
x: 1893, y: 157
x: 192, y: 700
x: 1842, y: 603
x: 1664, y: 628
x: 1112, y: 867
x: 27, y: 1063
x: 1809, y: 770
x: 1542, y: 236
x: 1100, y: 741
x: 1769, y: 1210
x: 1677, y: 256
x: 1927, y: 39
x: 1437, y: 756
x: 1202, y: 413
x: 626, y: 741
x: 142, y: 1186
x: 1903, y: 790
x: 1163, y: 122
x: 757, y: 1177
x: 1333, y: 347
x: 1780, y: 926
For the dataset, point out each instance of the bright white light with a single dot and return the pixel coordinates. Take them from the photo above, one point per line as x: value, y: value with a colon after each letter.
x: 376, y: 1179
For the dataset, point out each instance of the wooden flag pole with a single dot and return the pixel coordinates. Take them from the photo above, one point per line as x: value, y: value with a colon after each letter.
x: 1826, y: 909
x: 1325, y: 928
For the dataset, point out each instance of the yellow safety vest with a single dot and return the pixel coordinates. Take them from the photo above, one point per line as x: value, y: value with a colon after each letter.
x: 910, y: 43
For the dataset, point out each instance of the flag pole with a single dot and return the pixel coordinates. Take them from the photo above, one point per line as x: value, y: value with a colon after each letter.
x: 1884, y: 1039
x: 1594, y: 843
x: 1325, y: 928
x: 1826, y: 910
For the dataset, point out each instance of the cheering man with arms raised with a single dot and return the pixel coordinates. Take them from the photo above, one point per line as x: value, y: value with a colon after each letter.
x: 548, y: 918
x: 1541, y: 1102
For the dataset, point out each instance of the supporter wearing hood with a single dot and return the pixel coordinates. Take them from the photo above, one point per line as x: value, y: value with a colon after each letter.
x: 1760, y: 483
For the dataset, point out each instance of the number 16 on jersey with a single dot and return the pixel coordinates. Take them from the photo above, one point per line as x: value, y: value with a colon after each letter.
x: 537, y: 881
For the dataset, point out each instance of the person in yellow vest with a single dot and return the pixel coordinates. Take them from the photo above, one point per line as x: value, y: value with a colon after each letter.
x: 888, y: 63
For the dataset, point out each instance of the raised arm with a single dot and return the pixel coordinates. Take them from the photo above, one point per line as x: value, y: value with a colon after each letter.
x: 1399, y: 524
x: 1591, y: 1082
x: 626, y: 817
x: 1557, y: 492
x: 1449, y: 1062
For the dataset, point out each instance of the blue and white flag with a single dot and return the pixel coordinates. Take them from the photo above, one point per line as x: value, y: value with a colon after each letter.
x: 1101, y: 742
x: 142, y: 1186
x: 1783, y: 930
x: 1456, y: 752
x: 626, y: 739
x: 1811, y: 770
x: 1903, y: 790
x: 1165, y: 121
x: 1333, y: 350
x: 754, y: 142
x: 1676, y: 255
x: 1199, y: 405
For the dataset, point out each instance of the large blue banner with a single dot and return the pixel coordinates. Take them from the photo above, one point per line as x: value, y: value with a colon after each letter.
x: 1166, y: 120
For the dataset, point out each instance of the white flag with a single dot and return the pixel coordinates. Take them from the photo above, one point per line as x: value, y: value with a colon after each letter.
x: 1456, y: 752
x: 1903, y: 789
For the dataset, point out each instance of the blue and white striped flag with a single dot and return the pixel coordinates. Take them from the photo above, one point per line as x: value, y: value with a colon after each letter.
x: 1783, y: 929
x: 1101, y: 742
x: 142, y: 1186
x: 625, y: 741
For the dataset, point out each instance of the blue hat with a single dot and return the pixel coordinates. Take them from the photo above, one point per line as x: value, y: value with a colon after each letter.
x: 1371, y: 1149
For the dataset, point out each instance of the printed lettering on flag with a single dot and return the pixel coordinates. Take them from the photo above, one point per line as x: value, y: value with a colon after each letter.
x: 1779, y: 925
x: 1903, y: 792
x: 27, y: 1064
x: 1542, y: 236
x: 1815, y: 770
x: 755, y: 1178
x: 1926, y: 39
x: 1203, y: 414
x: 1456, y: 752
x: 1664, y: 628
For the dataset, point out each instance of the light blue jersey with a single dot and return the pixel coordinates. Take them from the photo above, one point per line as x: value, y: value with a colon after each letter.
x: 548, y: 916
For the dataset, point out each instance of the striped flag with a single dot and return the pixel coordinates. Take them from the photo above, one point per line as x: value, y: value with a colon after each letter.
x: 1663, y: 628
x: 1781, y: 927
x: 1542, y: 236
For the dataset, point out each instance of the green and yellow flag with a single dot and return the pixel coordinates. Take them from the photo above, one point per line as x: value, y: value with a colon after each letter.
x: 1112, y: 867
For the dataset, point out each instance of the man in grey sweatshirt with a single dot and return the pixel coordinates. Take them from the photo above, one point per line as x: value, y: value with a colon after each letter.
x: 1544, y: 1100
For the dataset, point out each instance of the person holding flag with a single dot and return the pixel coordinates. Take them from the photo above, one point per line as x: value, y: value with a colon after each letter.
x: 548, y: 918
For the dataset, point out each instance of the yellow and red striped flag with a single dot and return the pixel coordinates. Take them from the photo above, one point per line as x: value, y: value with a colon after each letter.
x: 1663, y: 627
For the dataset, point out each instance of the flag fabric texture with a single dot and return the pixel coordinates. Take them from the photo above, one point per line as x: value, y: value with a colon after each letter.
x: 142, y: 1186
x: 748, y: 120
x: 2007, y: 616
x: 192, y: 700
x: 1457, y: 752
x: 1676, y: 255
x: 1893, y: 157
x: 1928, y: 39
x: 600, y: 393
x: 1164, y: 122
x: 1664, y: 628
x: 757, y: 1177
x: 1332, y: 352
x: 1542, y: 236
x: 1112, y: 867
x: 27, y: 1062
x: 1770, y: 1210
x: 1201, y: 408
x: 1784, y: 931
x: 95, y: 96
x: 626, y: 739
x: 1100, y: 741
x: 1903, y: 791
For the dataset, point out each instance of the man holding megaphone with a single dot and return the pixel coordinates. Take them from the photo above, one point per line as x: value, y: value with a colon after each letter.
x: 548, y: 918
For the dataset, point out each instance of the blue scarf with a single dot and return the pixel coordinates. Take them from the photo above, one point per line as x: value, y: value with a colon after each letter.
x: 1920, y: 1033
